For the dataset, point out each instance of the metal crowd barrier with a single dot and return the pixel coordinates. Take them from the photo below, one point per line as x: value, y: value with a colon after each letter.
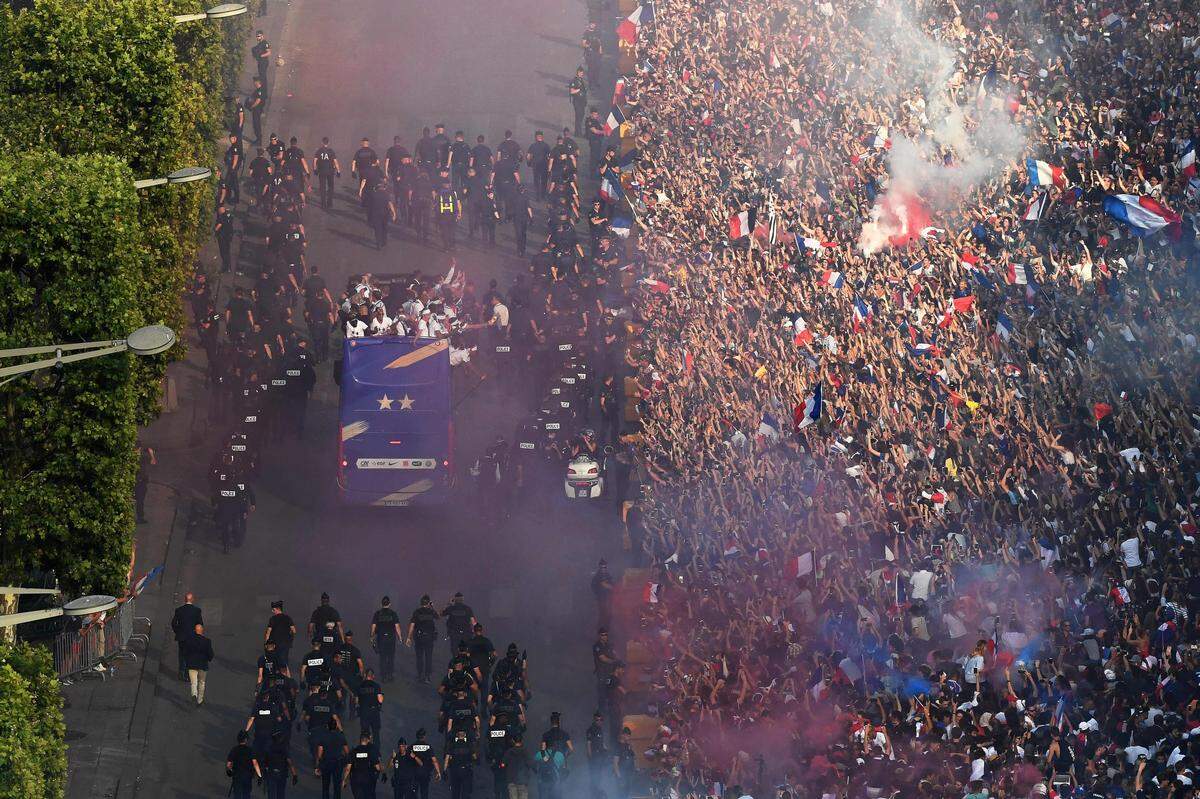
x: 90, y: 650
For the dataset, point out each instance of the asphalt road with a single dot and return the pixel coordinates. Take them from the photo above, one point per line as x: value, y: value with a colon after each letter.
x: 376, y: 68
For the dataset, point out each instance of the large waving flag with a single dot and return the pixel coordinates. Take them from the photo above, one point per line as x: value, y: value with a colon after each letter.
x: 615, y: 120
x: 802, y: 417
x: 1043, y: 174
x: 610, y: 188
x: 740, y: 224
x: 628, y: 28
x: 862, y: 314
x: 1187, y: 162
x: 1144, y: 215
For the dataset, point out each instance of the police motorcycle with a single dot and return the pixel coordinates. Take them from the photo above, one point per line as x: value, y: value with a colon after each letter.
x: 587, y: 467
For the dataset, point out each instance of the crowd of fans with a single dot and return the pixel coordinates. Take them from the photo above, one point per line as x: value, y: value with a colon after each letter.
x: 900, y: 550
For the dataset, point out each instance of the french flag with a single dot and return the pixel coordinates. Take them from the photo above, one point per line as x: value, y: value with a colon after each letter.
x: 657, y: 286
x: 1144, y: 214
x: 798, y: 566
x: 621, y: 226
x: 627, y: 30
x: 814, y: 244
x: 803, y: 335
x: 1110, y: 18
x: 1043, y: 174
x: 614, y: 121
x: 740, y: 225
x: 862, y: 314
x: 1187, y: 163
x: 650, y: 594
x: 881, y: 140
x: 1017, y: 275
x: 834, y: 280
x: 1004, y: 326
x: 618, y: 91
x: 811, y: 411
x: 1036, y: 207
x: 958, y: 305
x: 610, y: 189
x: 731, y: 549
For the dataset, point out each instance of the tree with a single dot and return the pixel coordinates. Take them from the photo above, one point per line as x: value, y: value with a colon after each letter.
x: 72, y: 252
x: 33, y: 755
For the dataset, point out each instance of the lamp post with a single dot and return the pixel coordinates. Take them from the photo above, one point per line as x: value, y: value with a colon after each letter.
x: 83, y: 606
x: 189, y: 174
x: 149, y: 340
x: 223, y: 11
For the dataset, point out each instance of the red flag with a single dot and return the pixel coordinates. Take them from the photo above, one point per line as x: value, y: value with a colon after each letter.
x: 1101, y: 409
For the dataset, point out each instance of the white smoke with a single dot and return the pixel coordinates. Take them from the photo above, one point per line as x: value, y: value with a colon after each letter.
x: 960, y: 137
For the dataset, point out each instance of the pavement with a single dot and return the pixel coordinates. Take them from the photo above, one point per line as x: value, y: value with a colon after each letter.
x: 377, y: 71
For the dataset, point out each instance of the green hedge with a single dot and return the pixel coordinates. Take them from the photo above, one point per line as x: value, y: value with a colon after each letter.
x: 33, y: 756
x: 96, y: 93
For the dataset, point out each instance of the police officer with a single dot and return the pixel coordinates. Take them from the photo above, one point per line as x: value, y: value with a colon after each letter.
x: 257, y: 104
x: 593, y: 51
x: 498, y: 743
x: 316, y: 666
x: 538, y: 159
x: 459, y: 763
x: 422, y: 633
x: 333, y: 754
x: 521, y: 214
x: 483, y: 654
x: 427, y: 764
x: 301, y: 379
x: 556, y: 739
x: 624, y: 763
x: 509, y: 674
x: 489, y: 215
x: 241, y: 768
x: 403, y: 180
x: 405, y: 770
x: 262, y: 54
x: 385, y: 629
x: 602, y: 588
x: 233, y: 166
x: 380, y: 213
x: 577, y: 90
x: 449, y: 209
x: 420, y: 199
x: 597, y: 753
x: 369, y: 698
x: 364, y: 156
x: 325, y: 164
x: 326, y: 622
x: 277, y: 764
x: 223, y: 229
x: 459, y: 621
x: 363, y: 769
x: 318, y: 712
x: 348, y: 666
x: 459, y: 159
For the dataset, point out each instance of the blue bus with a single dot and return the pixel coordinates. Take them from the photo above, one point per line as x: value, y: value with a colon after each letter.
x: 397, y: 435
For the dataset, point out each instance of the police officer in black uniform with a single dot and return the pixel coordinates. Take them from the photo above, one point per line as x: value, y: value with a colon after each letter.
x: 325, y: 622
x: 422, y: 633
x: 598, y: 756
x: 369, y: 698
x: 333, y: 753
x: 427, y: 764
x: 277, y: 764
x: 223, y: 229
x: 381, y: 213
x: 459, y: 763
x: 348, y: 667
x: 577, y: 89
x: 241, y: 768
x: 420, y: 201
x: 538, y: 159
x: 460, y: 619
x: 405, y: 770
x: 318, y: 712
x: 385, y: 629
x: 521, y: 214
x: 233, y: 166
x: 257, y: 104
x: 449, y: 209
x: 316, y: 667
x: 483, y: 654
x: 363, y: 769
x: 325, y: 164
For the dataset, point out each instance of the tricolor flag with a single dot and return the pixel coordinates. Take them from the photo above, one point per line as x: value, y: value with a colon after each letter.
x: 921, y: 349
x: 803, y: 336
x: 1144, y: 214
x: 1017, y: 275
x: 1110, y: 18
x: 1187, y: 162
x: 628, y: 28
x: 1043, y: 174
x: 650, y: 593
x: 618, y: 91
x: 144, y: 580
x: 1004, y: 326
x: 740, y: 225
x: 957, y: 305
x: 621, y: 225
x: 614, y: 121
x: 610, y: 188
x: 862, y: 314
x: 833, y: 279
x: 731, y: 549
x: 1036, y: 207
x: 969, y: 259
x: 881, y: 140
x: 806, y: 243
x: 798, y: 566
x: 811, y: 411
x: 654, y: 285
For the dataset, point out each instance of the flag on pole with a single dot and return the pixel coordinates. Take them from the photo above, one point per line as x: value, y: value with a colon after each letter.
x: 618, y: 91
x: 650, y: 594
x: 615, y: 119
x: 811, y: 411
x: 1017, y: 275
x: 1043, y: 174
x: 621, y: 225
x: 1004, y: 326
x: 1187, y: 162
x: 772, y: 225
x: 1143, y: 214
x: 833, y: 279
x: 1036, y: 207
x: 731, y: 548
x: 740, y: 225
x: 881, y: 140
x: 798, y: 566
x: 627, y: 30
x: 862, y: 314
x: 144, y: 580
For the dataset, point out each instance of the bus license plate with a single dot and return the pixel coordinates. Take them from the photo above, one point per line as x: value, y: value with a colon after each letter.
x: 396, y: 463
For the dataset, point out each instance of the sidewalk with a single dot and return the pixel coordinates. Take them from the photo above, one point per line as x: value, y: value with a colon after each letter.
x: 108, y: 718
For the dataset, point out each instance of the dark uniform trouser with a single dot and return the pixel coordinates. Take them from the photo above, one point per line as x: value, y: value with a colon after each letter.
x: 462, y: 782
x: 449, y: 226
x: 423, y: 787
x: 520, y: 232
x: 256, y: 121
x: 387, y: 656
x: 420, y: 220
x: 276, y: 784
x: 540, y: 179
x: 225, y: 245
x: 326, y: 181
x: 242, y: 787
x: 370, y: 722
x: 423, y: 647
x: 403, y: 789
x: 380, y: 223
x: 364, y: 788
x: 580, y: 113
x: 262, y: 68
x: 331, y: 781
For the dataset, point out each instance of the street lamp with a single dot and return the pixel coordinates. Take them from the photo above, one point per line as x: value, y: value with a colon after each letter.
x: 188, y: 174
x: 149, y: 340
x: 83, y: 606
x: 223, y: 11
